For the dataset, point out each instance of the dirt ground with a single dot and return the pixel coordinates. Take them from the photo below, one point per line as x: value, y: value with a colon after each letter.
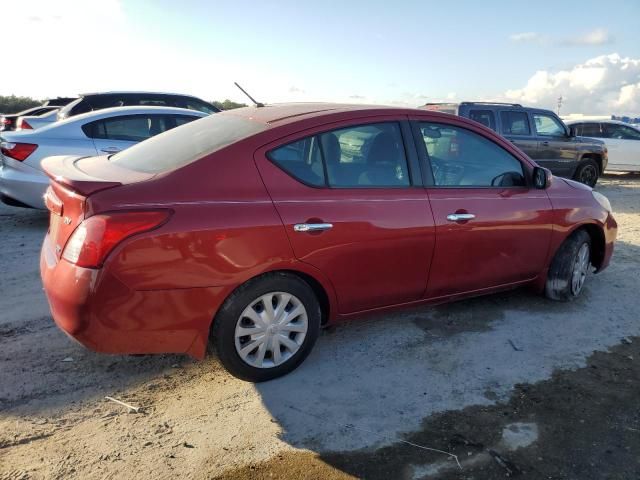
x: 509, y: 385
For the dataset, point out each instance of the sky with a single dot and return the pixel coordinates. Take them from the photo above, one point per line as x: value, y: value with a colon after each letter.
x: 389, y: 52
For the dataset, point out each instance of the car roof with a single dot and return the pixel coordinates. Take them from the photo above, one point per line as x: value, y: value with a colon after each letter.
x: 135, y: 92
x: 586, y: 120
x: 285, y: 113
x: 135, y: 110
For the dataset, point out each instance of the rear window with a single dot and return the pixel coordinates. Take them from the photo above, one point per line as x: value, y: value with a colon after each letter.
x: 186, y: 144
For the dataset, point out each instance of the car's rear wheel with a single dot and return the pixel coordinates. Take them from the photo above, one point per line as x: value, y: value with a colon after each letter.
x: 569, y: 268
x: 587, y: 172
x: 267, y: 327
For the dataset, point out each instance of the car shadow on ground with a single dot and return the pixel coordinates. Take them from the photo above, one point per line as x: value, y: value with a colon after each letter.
x: 373, y: 382
x: 29, y: 218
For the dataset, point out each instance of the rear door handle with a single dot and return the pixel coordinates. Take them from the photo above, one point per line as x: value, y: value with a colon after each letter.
x: 459, y: 217
x: 312, y: 227
x: 110, y: 150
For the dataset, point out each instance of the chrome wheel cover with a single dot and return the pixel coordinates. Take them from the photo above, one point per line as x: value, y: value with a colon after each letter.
x: 271, y: 329
x: 580, y: 269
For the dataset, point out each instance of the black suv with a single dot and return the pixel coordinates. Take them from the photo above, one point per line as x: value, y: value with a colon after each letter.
x: 97, y: 101
x: 540, y: 134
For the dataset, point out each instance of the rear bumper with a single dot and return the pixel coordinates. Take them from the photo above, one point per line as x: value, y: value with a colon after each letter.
x: 23, y: 183
x: 103, y: 314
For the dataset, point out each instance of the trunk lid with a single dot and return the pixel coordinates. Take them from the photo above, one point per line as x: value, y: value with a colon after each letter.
x: 73, y: 180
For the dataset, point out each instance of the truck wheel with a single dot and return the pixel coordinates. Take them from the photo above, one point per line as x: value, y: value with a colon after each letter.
x: 267, y: 327
x: 569, y: 267
x: 587, y: 172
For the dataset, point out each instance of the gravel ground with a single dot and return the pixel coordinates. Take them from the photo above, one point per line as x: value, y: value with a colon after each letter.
x: 511, y: 384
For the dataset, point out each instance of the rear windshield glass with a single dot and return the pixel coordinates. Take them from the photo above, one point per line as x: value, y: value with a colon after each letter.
x: 187, y: 143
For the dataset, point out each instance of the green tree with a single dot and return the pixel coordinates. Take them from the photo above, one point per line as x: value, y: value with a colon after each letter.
x: 227, y: 104
x: 13, y: 104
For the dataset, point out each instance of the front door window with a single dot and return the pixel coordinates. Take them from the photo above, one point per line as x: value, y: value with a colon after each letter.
x: 548, y: 126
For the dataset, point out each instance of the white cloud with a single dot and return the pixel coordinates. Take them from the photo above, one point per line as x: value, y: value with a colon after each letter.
x: 525, y: 37
x: 608, y: 84
x: 599, y: 36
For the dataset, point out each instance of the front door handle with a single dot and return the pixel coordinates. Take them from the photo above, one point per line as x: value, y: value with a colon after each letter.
x: 460, y: 217
x: 312, y: 227
x: 545, y: 144
x: 110, y: 150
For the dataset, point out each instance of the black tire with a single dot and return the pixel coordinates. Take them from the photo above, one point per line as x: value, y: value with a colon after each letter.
x: 224, y: 324
x: 587, y: 172
x: 559, y: 285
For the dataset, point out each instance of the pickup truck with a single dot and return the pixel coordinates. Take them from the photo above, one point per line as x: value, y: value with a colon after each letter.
x: 538, y: 133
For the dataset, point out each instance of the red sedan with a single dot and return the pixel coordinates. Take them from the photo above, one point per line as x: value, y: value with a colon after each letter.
x: 251, y: 229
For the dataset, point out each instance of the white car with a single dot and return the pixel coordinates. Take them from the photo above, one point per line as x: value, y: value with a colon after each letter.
x: 22, y: 181
x: 621, y: 139
x: 33, y: 122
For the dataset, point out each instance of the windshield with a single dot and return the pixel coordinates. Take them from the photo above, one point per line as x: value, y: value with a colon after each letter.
x: 186, y: 144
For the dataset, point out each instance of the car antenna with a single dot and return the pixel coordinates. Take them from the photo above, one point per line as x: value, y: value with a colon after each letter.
x: 258, y: 104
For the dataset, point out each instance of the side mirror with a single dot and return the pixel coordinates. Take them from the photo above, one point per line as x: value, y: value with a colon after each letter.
x: 541, y: 178
x: 572, y: 131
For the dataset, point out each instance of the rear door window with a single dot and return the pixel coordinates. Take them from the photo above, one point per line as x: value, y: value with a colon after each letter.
x: 515, y: 123
x: 363, y: 156
x: 485, y: 117
x: 302, y: 160
x: 591, y: 129
x: 133, y: 128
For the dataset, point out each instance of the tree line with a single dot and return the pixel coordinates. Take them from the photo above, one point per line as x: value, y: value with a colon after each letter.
x: 14, y: 104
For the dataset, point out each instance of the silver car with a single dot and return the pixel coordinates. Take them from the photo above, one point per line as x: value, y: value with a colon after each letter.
x: 33, y: 122
x: 22, y: 181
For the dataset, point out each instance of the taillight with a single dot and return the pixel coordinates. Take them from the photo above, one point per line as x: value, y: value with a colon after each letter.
x: 17, y: 151
x: 96, y: 236
x: 24, y: 125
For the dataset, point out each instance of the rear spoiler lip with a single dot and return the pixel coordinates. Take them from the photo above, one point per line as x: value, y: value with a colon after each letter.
x: 61, y: 169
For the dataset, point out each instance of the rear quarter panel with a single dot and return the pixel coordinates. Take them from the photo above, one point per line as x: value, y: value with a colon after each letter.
x: 224, y: 230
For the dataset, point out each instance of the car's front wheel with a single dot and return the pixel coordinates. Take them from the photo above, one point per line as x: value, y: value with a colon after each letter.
x: 587, y: 172
x: 569, y: 267
x: 267, y: 327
